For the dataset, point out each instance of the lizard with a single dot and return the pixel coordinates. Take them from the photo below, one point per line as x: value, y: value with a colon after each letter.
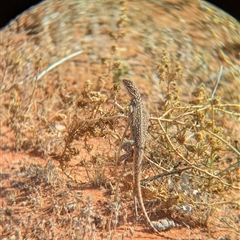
x: 138, y: 126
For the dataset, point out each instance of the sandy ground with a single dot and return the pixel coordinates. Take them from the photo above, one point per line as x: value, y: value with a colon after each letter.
x: 37, y: 200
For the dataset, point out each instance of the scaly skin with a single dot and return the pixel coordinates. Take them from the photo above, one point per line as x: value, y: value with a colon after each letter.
x: 138, y: 126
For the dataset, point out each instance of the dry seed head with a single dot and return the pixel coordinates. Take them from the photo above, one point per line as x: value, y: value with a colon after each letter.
x: 169, y: 96
x: 104, y: 61
x: 215, y: 101
x: 236, y: 143
x: 217, y: 146
x: 198, y: 137
x: 199, y: 115
x: 210, y: 139
x: 218, y: 130
x: 113, y: 35
x: 87, y: 86
x: 164, y: 56
x: 175, y: 90
x: 178, y: 69
x: 181, y: 138
x: 208, y: 123
x: 195, y: 101
x: 122, y: 21
x: 116, y: 88
x: 116, y: 65
x: 114, y: 48
x: 200, y: 93
x: 161, y: 72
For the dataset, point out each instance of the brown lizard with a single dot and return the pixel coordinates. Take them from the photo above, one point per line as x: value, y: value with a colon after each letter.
x: 138, y: 127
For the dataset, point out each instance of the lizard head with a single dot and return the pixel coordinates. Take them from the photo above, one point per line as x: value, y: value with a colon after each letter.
x: 131, y: 88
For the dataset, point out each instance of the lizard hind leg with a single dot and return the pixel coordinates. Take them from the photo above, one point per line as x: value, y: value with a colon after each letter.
x: 135, y: 206
x: 128, y: 148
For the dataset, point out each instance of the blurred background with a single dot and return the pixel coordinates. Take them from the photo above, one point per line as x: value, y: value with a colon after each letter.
x: 9, y: 9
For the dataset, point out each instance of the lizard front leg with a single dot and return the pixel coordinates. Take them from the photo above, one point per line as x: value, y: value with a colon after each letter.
x: 128, y: 148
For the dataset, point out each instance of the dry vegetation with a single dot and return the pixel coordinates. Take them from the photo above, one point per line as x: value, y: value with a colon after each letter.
x: 191, y: 168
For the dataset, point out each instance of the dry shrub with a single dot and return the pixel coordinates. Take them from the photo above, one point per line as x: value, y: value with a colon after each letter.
x: 191, y: 160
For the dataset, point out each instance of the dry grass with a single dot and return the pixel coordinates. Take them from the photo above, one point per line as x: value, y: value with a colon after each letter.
x: 191, y: 167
